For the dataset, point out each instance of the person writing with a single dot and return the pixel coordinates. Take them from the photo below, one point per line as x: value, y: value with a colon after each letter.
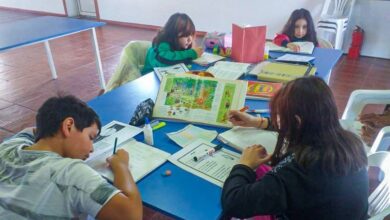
x: 43, y: 175
x: 173, y: 44
x: 299, y: 27
x: 319, y: 170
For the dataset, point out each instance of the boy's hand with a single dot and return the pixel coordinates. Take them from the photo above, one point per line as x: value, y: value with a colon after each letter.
x: 199, y: 51
x: 119, y: 160
x: 293, y: 47
x: 254, y: 156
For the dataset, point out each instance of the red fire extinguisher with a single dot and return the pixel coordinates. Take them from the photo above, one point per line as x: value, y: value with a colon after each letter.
x: 356, y: 44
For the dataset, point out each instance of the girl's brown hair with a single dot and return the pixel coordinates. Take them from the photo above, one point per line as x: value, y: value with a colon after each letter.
x: 178, y: 25
x: 289, y: 28
x: 305, y: 115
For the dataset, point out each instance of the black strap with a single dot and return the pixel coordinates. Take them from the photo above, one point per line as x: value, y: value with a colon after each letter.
x: 309, y: 67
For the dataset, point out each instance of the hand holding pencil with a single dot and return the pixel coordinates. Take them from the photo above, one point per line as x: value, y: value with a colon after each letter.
x: 240, y: 118
x: 119, y: 158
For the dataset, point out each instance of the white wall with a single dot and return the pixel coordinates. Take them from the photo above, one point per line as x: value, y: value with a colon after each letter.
x: 51, y: 6
x: 374, y: 17
x: 72, y: 8
x: 215, y: 15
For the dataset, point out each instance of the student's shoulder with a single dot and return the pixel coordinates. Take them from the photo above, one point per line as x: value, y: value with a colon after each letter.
x: 164, y: 46
x: 286, y: 163
x: 73, y: 171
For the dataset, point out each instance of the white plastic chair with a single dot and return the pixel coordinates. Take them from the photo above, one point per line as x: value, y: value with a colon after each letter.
x: 334, y: 19
x: 379, y: 199
x: 381, y: 215
x: 130, y: 65
x: 323, y: 43
x: 355, y: 105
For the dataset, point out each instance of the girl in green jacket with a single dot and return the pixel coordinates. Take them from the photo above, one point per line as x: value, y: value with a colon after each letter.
x: 173, y: 44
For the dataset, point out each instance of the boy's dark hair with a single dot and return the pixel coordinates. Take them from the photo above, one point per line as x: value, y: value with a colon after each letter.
x: 289, y: 28
x: 305, y: 115
x: 56, y: 109
x: 178, y: 25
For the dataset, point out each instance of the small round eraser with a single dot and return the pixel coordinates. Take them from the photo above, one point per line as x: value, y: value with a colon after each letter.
x: 167, y: 173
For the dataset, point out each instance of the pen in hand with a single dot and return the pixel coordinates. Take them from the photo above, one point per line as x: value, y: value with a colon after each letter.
x: 115, y: 143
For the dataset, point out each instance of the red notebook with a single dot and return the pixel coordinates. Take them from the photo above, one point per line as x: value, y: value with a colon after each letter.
x: 262, y: 90
x: 248, y: 43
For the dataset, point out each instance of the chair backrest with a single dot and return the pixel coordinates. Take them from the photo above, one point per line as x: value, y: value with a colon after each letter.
x: 379, y: 199
x: 360, y: 98
x: 382, y: 215
x: 324, y: 43
x: 130, y: 65
x: 337, y: 8
x: 382, y: 140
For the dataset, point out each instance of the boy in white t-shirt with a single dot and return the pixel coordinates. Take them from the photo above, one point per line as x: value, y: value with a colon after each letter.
x: 43, y: 176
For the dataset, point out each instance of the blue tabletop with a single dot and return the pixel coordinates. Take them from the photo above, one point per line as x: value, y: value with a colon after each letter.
x: 32, y: 30
x: 181, y: 195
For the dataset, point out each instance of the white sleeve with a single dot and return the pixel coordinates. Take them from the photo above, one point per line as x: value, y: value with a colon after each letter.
x: 87, y: 191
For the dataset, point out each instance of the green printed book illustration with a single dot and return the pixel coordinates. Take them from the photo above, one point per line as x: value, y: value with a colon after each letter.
x: 199, y: 99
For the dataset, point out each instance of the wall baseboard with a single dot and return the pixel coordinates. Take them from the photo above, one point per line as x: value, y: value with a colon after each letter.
x: 143, y: 26
x: 32, y: 11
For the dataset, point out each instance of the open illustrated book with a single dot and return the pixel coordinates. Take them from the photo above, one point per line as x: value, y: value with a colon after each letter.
x: 306, y: 47
x: 174, y: 69
x: 143, y: 158
x: 198, y: 99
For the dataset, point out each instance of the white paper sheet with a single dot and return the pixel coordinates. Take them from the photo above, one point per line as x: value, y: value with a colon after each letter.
x: 228, y: 70
x: 214, y: 168
x: 191, y: 133
x: 115, y: 129
x: 207, y: 58
x: 143, y: 159
x: 242, y: 137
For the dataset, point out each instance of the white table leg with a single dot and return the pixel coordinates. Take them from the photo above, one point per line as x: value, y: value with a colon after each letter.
x: 50, y: 60
x: 98, y: 61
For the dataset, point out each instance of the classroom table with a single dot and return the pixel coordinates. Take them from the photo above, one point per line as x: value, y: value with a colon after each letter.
x: 30, y: 31
x: 181, y: 195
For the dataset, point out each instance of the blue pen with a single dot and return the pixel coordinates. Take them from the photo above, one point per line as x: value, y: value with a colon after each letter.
x: 116, y: 141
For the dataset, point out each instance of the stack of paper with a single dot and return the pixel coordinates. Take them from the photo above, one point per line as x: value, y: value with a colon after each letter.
x: 305, y: 47
x: 283, y: 72
x: 207, y: 58
x: 228, y: 70
x: 242, y: 137
x: 143, y: 160
x: 295, y: 58
x: 191, y: 133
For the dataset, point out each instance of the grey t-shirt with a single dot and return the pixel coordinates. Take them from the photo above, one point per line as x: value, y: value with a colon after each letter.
x: 44, y: 185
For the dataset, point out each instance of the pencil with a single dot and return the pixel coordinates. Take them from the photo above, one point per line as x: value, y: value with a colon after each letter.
x: 244, y: 109
x: 258, y: 111
x: 116, y: 141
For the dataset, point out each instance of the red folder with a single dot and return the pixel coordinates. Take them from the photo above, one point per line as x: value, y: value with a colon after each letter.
x: 248, y: 43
